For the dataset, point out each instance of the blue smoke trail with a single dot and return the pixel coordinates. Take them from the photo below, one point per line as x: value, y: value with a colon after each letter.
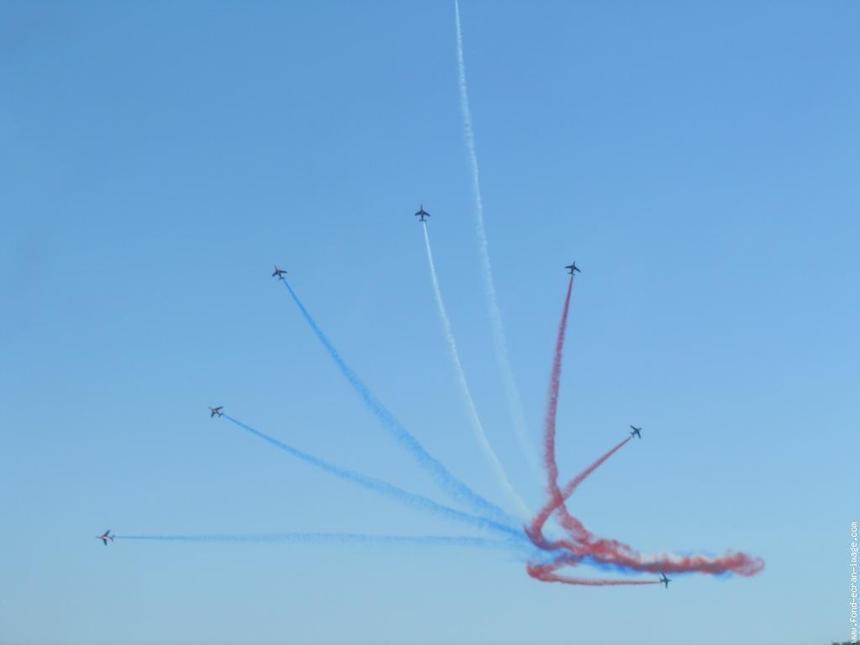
x: 450, y: 484
x: 379, y: 486
x: 364, y: 539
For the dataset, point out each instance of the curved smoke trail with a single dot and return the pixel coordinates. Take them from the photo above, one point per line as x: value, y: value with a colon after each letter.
x: 477, y: 426
x: 379, y: 486
x: 547, y: 573
x: 515, y: 405
x: 443, y: 477
x: 585, y: 547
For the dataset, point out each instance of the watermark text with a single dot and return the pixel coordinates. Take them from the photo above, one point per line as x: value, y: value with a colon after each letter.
x: 852, y: 585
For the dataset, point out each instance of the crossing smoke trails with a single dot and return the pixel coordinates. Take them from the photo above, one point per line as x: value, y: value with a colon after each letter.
x: 379, y: 486
x: 455, y: 488
x: 547, y: 557
x: 477, y: 426
x: 515, y: 406
x: 555, y: 502
x: 583, y: 546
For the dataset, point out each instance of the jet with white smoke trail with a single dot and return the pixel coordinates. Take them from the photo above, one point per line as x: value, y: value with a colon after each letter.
x: 474, y: 418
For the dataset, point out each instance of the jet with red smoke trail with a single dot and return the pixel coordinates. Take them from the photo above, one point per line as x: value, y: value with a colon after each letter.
x: 572, y: 268
x: 635, y: 432
x: 583, y: 547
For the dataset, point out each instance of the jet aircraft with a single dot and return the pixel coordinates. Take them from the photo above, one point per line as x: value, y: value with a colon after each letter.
x: 421, y: 214
x: 278, y: 273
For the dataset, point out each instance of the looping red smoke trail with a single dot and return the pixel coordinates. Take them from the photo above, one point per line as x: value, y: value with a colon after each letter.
x: 547, y: 573
x: 582, y: 543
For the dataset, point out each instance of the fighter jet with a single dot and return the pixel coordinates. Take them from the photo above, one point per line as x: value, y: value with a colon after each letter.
x: 278, y: 273
x: 572, y: 268
x: 664, y: 579
x: 216, y: 412
x: 104, y: 537
x: 421, y: 214
x: 635, y: 432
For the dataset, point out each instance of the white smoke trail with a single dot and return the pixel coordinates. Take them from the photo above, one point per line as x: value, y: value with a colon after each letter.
x: 515, y: 406
x: 477, y: 426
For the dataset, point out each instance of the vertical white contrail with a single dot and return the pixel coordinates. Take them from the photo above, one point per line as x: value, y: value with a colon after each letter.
x: 477, y: 426
x: 515, y: 406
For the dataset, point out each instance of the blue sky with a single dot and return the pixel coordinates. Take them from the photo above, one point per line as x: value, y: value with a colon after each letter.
x: 698, y: 160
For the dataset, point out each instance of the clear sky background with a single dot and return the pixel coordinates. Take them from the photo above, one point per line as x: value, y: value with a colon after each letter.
x: 698, y: 160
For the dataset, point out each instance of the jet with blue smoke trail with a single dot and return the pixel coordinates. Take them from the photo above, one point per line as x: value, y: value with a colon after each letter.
x: 361, y: 539
x: 390, y: 490
x: 104, y: 537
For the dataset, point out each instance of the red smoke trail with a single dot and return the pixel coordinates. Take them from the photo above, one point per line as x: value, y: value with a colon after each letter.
x: 547, y: 573
x: 557, y: 496
x: 614, y: 552
x: 582, y: 543
x: 552, y: 404
x: 570, y: 523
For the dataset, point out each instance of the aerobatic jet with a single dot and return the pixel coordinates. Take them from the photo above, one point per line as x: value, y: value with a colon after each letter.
x: 635, y: 432
x: 104, y: 537
x: 421, y: 214
x: 216, y: 412
x: 278, y: 273
x: 572, y: 268
x: 664, y: 580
